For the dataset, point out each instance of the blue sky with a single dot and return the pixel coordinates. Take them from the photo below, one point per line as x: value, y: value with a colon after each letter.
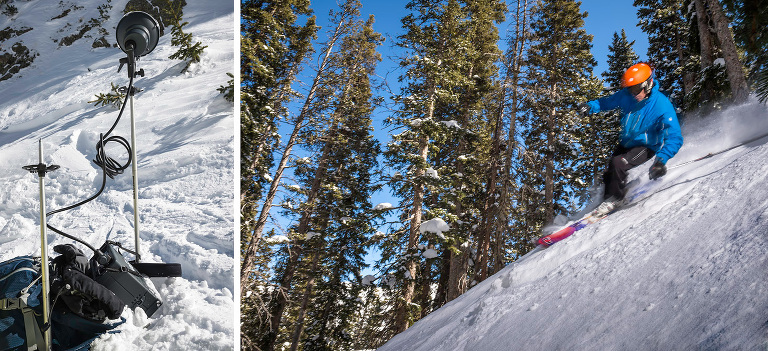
x: 605, y: 18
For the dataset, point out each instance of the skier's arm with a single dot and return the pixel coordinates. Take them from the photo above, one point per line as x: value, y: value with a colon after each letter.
x: 671, y: 136
x: 606, y: 103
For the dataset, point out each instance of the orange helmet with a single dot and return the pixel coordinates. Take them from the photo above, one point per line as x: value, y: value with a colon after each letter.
x: 637, y: 74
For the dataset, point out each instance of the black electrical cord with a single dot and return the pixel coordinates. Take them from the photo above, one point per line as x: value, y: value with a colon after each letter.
x: 110, y: 168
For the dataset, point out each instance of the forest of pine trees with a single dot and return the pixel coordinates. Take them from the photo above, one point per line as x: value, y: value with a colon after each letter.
x: 484, y: 146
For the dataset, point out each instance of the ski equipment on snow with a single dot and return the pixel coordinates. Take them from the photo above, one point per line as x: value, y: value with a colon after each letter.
x: 592, y: 217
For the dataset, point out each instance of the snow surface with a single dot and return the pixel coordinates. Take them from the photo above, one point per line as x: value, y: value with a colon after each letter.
x: 185, y: 137
x: 683, y: 269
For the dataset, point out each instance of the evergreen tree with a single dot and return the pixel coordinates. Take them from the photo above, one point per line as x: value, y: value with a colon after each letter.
x: 750, y: 18
x: 559, y: 78
x: 668, y: 50
x: 273, y: 47
x: 696, y: 67
x: 472, y: 158
x: 451, y: 49
x: 620, y: 57
x: 311, y: 109
x: 431, y: 32
x: 348, y: 162
x: 333, y: 189
x: 188, y: 51
x: 511, y: 214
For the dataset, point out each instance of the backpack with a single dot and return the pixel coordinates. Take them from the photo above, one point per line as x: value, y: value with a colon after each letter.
x: 21, y: 312
x: 20, y: 305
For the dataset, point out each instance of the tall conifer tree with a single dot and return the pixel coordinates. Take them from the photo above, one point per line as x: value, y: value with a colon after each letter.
x: 668, y: 48
x: 463, y: 152
x: 273, y: 48
x: 620, y: 57
x: 318, y: 100
x: 559, y: 78
x: 431, y: 32
x: 451, y: 48
x: 349, y: 159
x: 511, y: 219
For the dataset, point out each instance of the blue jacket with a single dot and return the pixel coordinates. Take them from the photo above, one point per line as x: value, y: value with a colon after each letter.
x: 651, y: 123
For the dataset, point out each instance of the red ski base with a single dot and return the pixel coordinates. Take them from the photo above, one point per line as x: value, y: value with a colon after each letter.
x: 557, y: 236
x: 561, y: 234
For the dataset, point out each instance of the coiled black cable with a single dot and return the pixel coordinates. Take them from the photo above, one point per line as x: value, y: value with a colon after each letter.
x: 110, y: 168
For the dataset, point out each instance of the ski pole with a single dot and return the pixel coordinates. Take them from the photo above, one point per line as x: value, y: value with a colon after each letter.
x: 41, y: 169
x: 718, y: 152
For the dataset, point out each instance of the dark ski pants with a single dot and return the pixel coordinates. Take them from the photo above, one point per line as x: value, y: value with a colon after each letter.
x: 622, y: 160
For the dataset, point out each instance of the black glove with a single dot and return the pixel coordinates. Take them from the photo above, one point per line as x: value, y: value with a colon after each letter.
x: 584, y: 109
x: 658, y: 170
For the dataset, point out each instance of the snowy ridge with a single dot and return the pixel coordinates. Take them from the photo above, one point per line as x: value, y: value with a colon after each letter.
x: 683, y: 269
x: 185, y: 146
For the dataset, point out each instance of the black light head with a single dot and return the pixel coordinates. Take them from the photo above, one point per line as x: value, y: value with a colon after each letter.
x: 137, y: 33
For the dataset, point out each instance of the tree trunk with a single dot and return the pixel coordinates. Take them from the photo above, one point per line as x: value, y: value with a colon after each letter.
x: 307, y: 212
x: 705, y: 37
x: 304, y: 304
x: 403, y: 313
x: 549, y: 163
x: 426, y: 288
x: 705, y: 40
x: 441, y: 296
x: 457, y: 282
x: 498, y: 240
x: 733, y: 65
x: 489, y: 205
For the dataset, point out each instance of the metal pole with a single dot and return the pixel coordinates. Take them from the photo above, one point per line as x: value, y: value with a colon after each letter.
x: 134, y: 169
x: 44, y: 254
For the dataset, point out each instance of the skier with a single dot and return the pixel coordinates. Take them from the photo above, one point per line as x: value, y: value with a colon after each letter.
x: 649, y: 127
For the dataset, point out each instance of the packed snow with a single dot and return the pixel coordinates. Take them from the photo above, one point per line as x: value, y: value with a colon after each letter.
x: 683, y: 267
x: 185, y: 145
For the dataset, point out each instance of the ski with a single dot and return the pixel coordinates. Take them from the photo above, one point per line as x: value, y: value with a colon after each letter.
x: 590, y: 218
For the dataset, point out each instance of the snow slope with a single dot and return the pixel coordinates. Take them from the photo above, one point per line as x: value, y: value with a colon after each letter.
x: 683, y: 269
x: 185, y: 146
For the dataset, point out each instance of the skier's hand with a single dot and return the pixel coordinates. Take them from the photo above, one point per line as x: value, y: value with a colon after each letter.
x: 584, y: 109
x: 657, y: 171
